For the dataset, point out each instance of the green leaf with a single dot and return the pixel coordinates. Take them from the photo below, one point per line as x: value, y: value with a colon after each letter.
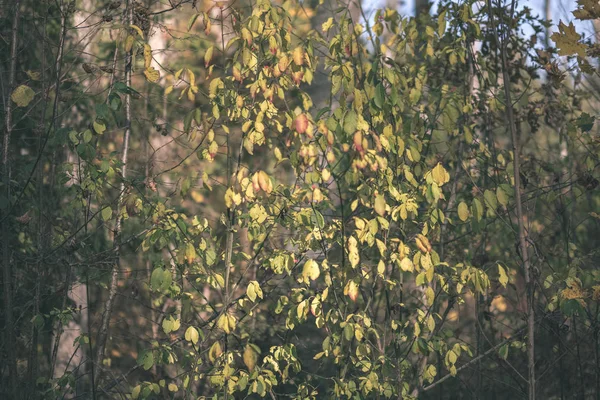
x: 379, y: 95
x: 350, y: 122
x: 490, y: 201
x: 192, y: 21
x: 503, y: 351
x: 477, y: 209
x: 102, y: 110
x: 585, y: 122
x: 156, y: 279
x: 99, y: 126
x: 160, y: 279
x: 115, y: 101
x: 501, y: 196
x: 187, y: 121
x: 146, y: 360
x: 106, y: 213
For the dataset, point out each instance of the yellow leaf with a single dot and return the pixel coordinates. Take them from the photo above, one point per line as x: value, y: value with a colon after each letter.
x: 190, y: 253
x: 381, y: 268
x: 226, y: 322
x: 215, y: 352
x: 283, y: 63
x: 247, y: 35
x: 147, y: 56
x: 440, y: 175
x: 22, y: 95
x: 380, y: 205
x: 406, y: 265
x: 135, y: 393
x: 208, y: 56
x: 502, y: 277
x: 351, y: 290
x: 310, y: 271
x: 264, y: 182
x: 463, y: 211
x: 327, y: 25
x: 232, y: 198
x: 191, y: 335
x: 317, y: 195
x: 129, y: 43
x: 567, y: 40
x: 573, y: 291
x: 253, y: 290
x: 298, y: 56
x: 137, y: 29
x: 172, y: 387
x: 152, y: 74
x: 250, y: 357
x: 353, y: 255
x: 33, y: 75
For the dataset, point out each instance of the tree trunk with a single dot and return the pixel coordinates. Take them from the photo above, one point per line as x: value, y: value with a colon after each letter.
x: 114, y: 280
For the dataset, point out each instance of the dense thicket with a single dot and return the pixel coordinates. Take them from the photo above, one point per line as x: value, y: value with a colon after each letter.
x: 302, y: 200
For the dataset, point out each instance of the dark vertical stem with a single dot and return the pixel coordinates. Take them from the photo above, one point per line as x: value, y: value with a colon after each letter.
x: 478, y: 301
x: 581, y: 385
x: 502, y: 44
x: 5, y: 226
x: 32, y: 363
x: 58, y: 72
x: 114, y: 279
x: 596, y: 354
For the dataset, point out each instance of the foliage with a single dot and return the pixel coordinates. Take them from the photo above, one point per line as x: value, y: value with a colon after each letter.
x: 286, y: 199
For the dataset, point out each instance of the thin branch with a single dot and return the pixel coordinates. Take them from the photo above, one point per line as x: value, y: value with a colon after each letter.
x: 475, y: 360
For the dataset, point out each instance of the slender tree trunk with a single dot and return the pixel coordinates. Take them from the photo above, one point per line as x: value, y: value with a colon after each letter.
x: 519, y: 207
x: 5, y: 225
x: 114, y: 280
x: 58, y: 72
x: 548, y: 17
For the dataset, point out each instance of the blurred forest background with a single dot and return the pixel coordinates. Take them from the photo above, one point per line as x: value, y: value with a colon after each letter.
x: 319, y: 199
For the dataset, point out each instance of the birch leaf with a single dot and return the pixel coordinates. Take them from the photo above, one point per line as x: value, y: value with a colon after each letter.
x: 22, y: 95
